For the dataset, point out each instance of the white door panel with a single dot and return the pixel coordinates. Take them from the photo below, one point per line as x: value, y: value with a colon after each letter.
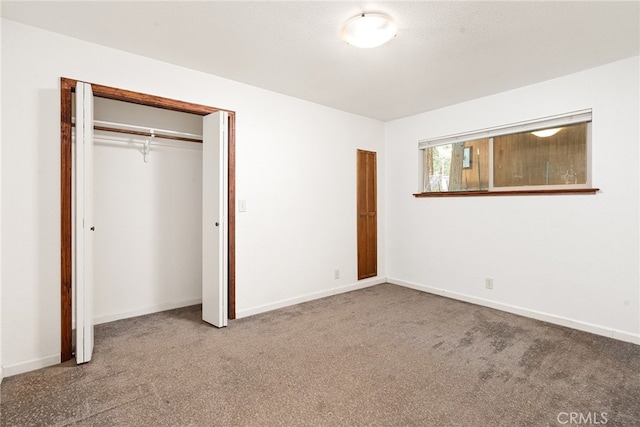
x: 215, y: 260
x: 83, y: 227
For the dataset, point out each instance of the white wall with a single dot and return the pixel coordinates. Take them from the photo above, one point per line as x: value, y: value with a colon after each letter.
x: 148, y: 219
x: 572, y: 260
x: 296, y: 168
x: 148, y: 215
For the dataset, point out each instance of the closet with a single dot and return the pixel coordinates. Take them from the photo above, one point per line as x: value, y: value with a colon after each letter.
x: 147, y: 210
x: 148, y: 204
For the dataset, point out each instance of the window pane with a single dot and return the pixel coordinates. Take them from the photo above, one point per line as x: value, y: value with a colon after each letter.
x: 523, y: 158
x: 462, y: 166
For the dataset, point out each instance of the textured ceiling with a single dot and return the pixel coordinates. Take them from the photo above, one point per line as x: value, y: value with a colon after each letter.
x: 445, y: 52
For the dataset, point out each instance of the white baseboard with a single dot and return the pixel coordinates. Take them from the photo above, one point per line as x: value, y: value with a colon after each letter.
x: 31, y: 365
x: 147, y: 310
x: 546, y: 317
x: 310, y: 297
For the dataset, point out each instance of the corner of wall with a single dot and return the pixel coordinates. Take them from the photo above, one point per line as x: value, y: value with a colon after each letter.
x: 523, y: 311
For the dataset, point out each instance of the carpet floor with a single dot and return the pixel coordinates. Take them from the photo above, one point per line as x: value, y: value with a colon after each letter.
x: 382, y: 356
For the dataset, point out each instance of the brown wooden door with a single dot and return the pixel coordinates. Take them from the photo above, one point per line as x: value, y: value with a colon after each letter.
x: 367, y: 215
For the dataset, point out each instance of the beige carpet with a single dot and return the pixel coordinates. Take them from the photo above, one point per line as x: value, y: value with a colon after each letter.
x: 385, y: 356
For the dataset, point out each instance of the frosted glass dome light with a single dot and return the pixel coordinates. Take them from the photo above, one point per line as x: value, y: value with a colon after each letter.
x: 369, y: 30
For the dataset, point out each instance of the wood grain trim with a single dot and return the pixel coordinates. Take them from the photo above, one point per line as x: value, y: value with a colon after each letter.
x: 67, y: 87
x: 148, y: 100
x: 510, y: 193
x: 231, y: 293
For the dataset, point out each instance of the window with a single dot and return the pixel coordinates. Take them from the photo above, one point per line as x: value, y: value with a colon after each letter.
x: 544, y: 154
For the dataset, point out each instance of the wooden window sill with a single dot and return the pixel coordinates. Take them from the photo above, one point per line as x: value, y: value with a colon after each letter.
x: 509, y: 193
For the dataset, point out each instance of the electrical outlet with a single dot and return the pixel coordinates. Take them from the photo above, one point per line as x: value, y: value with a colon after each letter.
x: 488, y: 283
x: 336, y: 274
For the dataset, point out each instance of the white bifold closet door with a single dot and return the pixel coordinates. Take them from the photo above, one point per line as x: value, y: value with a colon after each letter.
x: 83, y: 224
x: 215, y: 208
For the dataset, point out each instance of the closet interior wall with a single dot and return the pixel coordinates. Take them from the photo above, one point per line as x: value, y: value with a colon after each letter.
x: 148, y: 212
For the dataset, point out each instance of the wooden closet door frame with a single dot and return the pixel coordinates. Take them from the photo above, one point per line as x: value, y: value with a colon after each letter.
x: 67, y: 88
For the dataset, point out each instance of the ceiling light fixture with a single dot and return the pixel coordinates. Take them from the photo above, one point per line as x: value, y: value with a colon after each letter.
x: 546, y: 132
x: 369, y: 30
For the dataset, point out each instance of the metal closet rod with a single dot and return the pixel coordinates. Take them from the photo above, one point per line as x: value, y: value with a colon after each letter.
x: 144, y: 131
